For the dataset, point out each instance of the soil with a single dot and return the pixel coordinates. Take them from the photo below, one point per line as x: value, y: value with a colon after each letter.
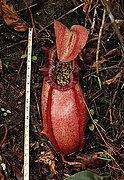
x: 104, y: 92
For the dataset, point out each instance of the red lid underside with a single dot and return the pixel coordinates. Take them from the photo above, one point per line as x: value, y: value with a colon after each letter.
x: 69, y: 42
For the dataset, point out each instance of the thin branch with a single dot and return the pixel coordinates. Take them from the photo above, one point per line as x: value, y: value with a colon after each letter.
x: 98, y: 44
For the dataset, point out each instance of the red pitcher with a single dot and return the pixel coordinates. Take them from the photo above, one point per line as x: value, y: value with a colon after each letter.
x: 64, y: 109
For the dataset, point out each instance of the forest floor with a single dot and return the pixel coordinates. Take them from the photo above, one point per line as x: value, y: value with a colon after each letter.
x: 101, y: 78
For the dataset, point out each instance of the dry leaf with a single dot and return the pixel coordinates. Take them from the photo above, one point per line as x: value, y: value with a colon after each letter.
x: 90, y: 159
x: 52, y: 166
x: 10, y: 16
x: 48, y: 158
x: 85, y: 160
x: 109, y: 81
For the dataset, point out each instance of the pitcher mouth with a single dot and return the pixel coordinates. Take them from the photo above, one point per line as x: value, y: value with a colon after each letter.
x: 61, y: 72
x: 60, y: 75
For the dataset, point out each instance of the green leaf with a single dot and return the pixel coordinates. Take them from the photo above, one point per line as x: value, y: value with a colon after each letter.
x: 99, y: 81
x: 8, y: 111
x: 5, y: 114
x: 23, y: 56
x: 91, y: 127
x: 91, y: 111
x: 95, y: 121
x: 87, y: 175
x: 2, y: 109
x: 34, y: 58
x: 6, y: 64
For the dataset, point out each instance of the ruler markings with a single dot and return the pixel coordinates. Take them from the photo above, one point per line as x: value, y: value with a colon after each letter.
x: 27, y: 107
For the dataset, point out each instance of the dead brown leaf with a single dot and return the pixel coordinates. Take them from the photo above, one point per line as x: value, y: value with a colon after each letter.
x: 84, y: 161
x: 90, y: 159
x: 110, y: 81
x: 10, y: 16
x: 48, y: 158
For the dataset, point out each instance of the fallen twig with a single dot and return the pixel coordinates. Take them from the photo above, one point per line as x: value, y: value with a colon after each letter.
x: 109, y: 81
x: 98, y: 44
x: 5, y: 134
x: 12, y: 45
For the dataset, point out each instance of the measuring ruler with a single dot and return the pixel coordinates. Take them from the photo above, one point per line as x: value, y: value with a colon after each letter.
x: 27, y: 107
